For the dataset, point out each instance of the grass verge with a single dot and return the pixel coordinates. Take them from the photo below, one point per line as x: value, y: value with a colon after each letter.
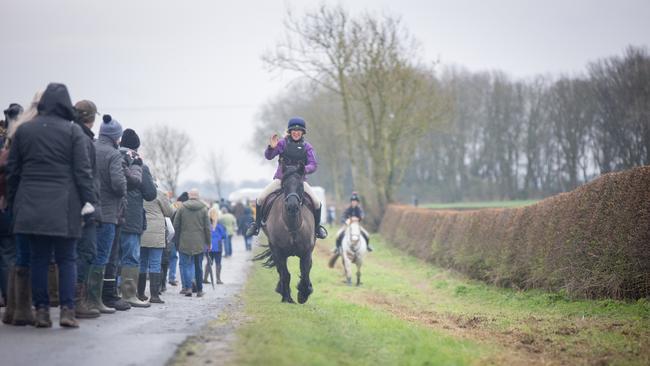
x: 408, y: 312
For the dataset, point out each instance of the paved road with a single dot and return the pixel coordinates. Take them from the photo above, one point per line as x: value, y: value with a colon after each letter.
x: 135, y: 337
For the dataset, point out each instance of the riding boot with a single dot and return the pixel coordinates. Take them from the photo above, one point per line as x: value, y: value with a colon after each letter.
x: 129, y: 287
x: 218, y: 270
x: 339, y: 242
x: 142, y: 284
x: 206, y: 273
x: 254, y: 228
x: 23, y: 314
x: 82, y: 309
x: 10, y: 301
x: 368, y: 243
x: 95, y: 290
x: 155, y: 279
x: 320, y: 231
x: 53, y: 284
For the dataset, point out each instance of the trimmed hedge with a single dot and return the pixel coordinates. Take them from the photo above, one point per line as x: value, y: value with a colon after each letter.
x: 593, y: 242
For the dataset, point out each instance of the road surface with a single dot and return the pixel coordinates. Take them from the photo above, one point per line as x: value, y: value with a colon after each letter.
x: 135, y: 337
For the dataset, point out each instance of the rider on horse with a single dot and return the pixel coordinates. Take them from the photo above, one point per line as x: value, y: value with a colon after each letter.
x: 354, y: 210
x: 293, y: 149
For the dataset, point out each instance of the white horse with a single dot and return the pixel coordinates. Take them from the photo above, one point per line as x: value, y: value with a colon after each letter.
x: 353, y: 249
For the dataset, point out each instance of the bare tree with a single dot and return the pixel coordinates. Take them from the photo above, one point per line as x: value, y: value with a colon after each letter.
x: 217, y: 166
x: 168, y: 151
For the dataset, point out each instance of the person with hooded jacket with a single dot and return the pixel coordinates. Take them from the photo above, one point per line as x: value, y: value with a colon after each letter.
x: 134, y: 222
x: 192, y: 225
x: 50, y: 187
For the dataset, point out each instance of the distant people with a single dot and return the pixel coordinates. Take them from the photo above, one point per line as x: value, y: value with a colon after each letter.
x: 229, y: 221
x: 153, y: 243
x: 354, y: 210
x: 218, y: 237
x: 50, y: 188
x: 87, y: 244
x: 134, y: 220
x: 293, y: 150
x: 238, y: 212
x: 331, y: 215
x: 192, y: 224
x: 247, y: 219
x: 173, y: 251
x: 11, y: 115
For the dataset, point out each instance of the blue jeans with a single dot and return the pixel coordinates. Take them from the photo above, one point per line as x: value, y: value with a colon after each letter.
x: 105, y: 236
x: 65, y: 256
x: 130, y: 249
x: 248, y: 240
x: 187, y: 267
x: 173, y: 263
x: 150, y: 259
x: 228, y: 245
x: 23, y: 253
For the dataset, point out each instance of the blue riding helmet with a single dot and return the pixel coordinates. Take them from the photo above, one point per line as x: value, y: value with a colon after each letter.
x: 297, y: 123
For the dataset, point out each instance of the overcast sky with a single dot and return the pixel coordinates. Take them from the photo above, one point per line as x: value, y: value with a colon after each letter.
x: 196, y: 64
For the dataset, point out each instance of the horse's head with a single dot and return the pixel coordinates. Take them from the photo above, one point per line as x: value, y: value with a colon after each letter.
x: 354, y: 230
x: 292, y: 186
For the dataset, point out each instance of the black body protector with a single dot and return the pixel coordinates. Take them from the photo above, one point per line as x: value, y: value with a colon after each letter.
x: 294, y: 153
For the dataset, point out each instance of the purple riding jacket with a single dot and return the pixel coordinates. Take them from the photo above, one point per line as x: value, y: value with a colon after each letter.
x: 271, y: 153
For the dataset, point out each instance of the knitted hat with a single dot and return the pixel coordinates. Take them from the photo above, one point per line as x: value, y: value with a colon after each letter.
x: 86, y: 110
x: 130, y: 139
x: 110, y: 128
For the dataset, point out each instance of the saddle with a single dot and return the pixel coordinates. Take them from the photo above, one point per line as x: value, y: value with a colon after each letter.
x: 271, y: 198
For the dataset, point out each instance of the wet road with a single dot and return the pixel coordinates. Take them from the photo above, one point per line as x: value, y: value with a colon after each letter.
x: 135, y: 337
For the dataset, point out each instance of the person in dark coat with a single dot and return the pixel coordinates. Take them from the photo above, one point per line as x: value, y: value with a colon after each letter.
x: 113, y: 184
x: 354, y: 210
x: 87, y: 245
x: 49, y: 182
x: 134, y: 223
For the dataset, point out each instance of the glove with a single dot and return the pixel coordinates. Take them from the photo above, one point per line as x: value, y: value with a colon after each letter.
x: 137, y: 161
x: 87, y: 209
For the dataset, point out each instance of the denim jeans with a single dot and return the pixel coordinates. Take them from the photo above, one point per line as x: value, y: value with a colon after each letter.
x: 129, y: 249
x: 23, y: 252
x: 7, y: 260
x: 150, y: 259
x: 173, y: 262
x: 105, y: 236
x: 248, y: 240
x: 186, y: 269
x: 65, y: 256
x: 198, y: 271
x: 86, y: 250
x: 228, y: 245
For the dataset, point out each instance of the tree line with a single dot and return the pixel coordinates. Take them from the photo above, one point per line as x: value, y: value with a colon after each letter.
x: 391, y: 126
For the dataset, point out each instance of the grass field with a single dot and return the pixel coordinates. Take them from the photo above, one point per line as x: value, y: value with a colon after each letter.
x: 478, y: 205
x: 408, y: 312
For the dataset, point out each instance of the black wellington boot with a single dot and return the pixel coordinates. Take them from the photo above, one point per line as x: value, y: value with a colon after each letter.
x: 155, y: 279
x: 10, y: 301
x: 142, y: 283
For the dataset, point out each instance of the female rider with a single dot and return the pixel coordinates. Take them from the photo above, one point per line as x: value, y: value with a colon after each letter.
x: 292, y: 148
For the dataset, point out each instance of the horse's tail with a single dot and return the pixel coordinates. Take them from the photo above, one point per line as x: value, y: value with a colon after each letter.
x: 333, y: 260
x: 267, y: 257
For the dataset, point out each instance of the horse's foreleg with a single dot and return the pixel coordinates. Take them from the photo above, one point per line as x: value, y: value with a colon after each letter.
x: 359, y: 262
x: 285, y: 280
x: 347, y: 264
x: 304, y: 287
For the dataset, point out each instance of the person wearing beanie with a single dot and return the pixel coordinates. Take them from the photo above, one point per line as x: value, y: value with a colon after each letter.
x: 113, y: 184
x: 87, y: 244
x: 133, y: 227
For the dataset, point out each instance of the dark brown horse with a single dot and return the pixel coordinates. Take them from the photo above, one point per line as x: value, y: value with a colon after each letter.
x: 290, y: 230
